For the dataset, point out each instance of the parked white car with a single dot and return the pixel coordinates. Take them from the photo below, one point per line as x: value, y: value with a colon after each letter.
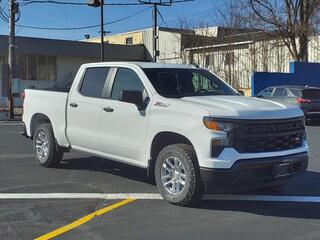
x: 186, y: 126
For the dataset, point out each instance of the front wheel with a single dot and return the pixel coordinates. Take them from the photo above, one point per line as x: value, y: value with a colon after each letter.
x: 47, y: 152
x: 177, y: 175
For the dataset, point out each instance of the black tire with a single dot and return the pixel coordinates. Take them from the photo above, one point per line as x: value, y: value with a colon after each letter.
x: 54, y: 153
x: 193, y: 189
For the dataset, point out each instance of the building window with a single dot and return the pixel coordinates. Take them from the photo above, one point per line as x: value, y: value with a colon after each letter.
x: 3, y: 60
x: 23, y: 70
x: 129, y: 40
x: 42, y: 68
x: 229, y: 58
x: 52, y: 66
x: 34, y: 67
x: 209, y: 60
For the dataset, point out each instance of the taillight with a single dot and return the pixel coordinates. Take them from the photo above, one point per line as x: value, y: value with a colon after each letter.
x: 303, y: 100
x: 22, y: 96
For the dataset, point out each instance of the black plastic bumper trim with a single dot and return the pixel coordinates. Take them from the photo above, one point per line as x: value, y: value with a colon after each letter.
x: 258, y: 171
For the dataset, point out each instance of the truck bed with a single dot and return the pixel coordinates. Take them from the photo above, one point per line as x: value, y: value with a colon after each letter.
x: 50, y: 103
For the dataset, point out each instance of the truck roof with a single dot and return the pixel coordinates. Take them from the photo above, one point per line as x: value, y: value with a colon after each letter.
x: 162, y: 65
x: 142, y: 64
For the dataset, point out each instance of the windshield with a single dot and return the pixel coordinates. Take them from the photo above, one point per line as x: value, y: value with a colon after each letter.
x: 177, y: 82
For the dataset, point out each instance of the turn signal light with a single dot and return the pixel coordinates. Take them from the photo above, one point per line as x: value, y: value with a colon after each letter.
x: 210, y: 124
x: 213, y: 124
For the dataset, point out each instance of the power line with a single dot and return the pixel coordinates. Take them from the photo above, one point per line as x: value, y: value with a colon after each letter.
x: 27, y: 2
x: 5, y: 17
x: 84, y: 27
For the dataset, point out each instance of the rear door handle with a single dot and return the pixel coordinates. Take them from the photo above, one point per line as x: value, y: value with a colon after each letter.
x: 108, y: 109
x: 73, y: 105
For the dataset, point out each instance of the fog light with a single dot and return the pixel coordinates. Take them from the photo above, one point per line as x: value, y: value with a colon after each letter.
x: 218, y: 145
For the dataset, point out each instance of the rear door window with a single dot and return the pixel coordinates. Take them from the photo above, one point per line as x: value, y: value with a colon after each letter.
x: 94, y: 81
x: 295, y: 92
x: 280, y: 92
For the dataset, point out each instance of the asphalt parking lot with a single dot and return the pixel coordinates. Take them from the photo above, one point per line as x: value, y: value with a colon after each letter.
x: 290, y: 213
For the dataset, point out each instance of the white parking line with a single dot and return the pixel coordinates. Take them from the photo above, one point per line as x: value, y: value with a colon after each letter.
x: 113, y: 196
x: 155, y: 196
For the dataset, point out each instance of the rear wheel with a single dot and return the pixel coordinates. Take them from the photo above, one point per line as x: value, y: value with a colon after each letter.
x: 177, y: 175
x: 47, y: 151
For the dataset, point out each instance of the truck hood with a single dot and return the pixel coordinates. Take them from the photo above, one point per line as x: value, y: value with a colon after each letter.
x: 240, y: 107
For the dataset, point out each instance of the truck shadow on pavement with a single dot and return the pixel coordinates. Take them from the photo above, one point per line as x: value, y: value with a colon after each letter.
x: 304, y: 185
x: 104, y: 165
x: 274, y: 209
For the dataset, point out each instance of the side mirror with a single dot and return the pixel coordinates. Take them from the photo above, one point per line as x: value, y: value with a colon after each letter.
x: 241, y: 92
x: 134, y: 97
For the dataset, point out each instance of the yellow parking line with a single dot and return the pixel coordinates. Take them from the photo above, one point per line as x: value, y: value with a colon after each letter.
x: 83, y: 220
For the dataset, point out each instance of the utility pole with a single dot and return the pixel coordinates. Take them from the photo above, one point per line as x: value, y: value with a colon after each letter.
x: 13, y: 10
x: 155, y: 4
x: 155, y: 32
x: 99, y: 3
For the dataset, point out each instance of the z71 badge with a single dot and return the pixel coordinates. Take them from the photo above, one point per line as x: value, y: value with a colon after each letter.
x: 161, y: 104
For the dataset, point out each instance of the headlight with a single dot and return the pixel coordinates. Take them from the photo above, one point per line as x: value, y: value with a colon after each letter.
x: 213, y: 124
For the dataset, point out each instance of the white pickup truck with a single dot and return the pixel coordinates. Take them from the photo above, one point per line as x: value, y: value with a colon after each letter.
x: 183, y: 124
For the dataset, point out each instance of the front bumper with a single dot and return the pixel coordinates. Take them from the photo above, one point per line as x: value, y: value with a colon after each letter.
x: 255, y: 173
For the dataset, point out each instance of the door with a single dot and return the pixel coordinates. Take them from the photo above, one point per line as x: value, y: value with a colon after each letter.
x: 84, y: 109
x: 123, y: 126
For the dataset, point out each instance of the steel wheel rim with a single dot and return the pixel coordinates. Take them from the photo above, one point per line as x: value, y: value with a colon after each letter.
x: 173, y: 175
x: 42, y: 146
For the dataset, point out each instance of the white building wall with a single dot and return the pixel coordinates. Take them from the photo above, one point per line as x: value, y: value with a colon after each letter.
x: 148, y: 42
x: 269, y: 56
x: 232, y: 65
x: 314, y: 49
x: 169, y: 45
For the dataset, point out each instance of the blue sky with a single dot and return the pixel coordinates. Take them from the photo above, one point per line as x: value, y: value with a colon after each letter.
x: 66, y: 16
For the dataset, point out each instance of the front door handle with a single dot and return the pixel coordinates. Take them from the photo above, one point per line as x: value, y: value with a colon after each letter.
x: 73, y: 105
x: 108, y: 109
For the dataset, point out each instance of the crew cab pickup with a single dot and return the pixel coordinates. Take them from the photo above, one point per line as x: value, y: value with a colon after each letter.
x: 183, y: 124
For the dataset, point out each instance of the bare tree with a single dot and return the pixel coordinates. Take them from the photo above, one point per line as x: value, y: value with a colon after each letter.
x: 233, y: 13
x: 294, y: 21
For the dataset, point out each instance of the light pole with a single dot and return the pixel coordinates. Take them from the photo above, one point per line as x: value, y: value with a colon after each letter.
x: 99, y: 3
x: 155, y: 32
x: 102, y: 30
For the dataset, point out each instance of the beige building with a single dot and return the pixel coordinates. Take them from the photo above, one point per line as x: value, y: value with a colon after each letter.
x: 171, y: 42
x: 127, y: 38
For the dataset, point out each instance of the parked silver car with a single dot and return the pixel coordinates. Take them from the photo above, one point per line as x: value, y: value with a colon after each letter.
x: 307, y: 98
